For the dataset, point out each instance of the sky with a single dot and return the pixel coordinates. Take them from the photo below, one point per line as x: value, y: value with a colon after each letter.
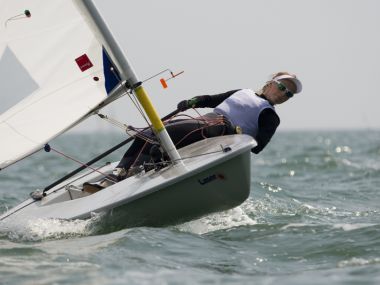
x: 331, y: 45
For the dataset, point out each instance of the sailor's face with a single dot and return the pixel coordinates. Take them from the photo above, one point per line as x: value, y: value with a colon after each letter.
x: 278, y: 92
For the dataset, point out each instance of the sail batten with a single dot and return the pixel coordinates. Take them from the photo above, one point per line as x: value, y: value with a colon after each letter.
x: 60, y: 52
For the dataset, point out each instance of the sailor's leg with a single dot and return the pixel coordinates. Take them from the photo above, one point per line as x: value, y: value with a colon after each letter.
x: 137, y: 154
x: 187, y: 132
x: 131, y: 153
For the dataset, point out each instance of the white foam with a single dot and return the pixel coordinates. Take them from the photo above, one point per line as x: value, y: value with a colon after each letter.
x: 40, y: 229
x: 351, y: 227
x: 219, y: 221
x: 295, y: 225
x: 357, y: 262
x: 55, y: 228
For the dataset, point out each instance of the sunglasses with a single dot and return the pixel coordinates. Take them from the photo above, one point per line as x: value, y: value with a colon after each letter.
x: 283, y: 88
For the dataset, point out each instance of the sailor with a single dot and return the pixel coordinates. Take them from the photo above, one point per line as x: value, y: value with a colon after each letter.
x: 252, y: 113
x: 238, y: 111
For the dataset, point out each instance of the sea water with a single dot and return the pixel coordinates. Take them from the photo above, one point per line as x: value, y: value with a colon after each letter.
x: 312, y: 218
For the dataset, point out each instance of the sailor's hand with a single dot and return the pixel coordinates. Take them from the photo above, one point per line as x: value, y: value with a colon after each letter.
x: 183, y: 105
x: 187, y: 104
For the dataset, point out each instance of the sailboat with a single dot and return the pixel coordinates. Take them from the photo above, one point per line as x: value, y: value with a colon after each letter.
x: 77, y: 68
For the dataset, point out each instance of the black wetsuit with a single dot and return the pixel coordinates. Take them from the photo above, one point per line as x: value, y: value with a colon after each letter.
x: 185, y: 132
x: 182, y: 133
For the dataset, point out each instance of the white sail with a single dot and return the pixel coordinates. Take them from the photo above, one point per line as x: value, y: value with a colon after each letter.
x: 60, y: 53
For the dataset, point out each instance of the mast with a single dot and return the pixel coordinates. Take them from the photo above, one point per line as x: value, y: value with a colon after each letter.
x: 127, y: 74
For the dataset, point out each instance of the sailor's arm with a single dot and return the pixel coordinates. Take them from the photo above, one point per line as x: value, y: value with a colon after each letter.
x: 268, y: 123
x: 204, y: 101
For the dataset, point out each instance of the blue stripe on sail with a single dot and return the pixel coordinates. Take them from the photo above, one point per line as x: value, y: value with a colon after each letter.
x: 112, y: 77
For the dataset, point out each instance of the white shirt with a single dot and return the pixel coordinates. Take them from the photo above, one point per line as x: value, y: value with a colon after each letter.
x: 243, y: 109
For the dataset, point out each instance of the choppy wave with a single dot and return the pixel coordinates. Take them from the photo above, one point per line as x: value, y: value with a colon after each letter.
x: 313, y: 213
x: 236, y: 217
x: 358, y: 262
x: 45, y: 229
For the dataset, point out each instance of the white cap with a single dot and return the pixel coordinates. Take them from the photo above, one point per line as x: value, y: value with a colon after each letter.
x: 292, y: 78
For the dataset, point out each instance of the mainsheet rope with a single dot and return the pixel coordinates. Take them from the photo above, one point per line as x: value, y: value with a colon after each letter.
x: 48, y: 148
x: 139, y: 132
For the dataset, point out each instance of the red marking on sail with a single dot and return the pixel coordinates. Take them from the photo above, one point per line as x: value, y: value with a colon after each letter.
x: 84, y: 62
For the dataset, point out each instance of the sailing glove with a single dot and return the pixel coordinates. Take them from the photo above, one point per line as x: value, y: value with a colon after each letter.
x: 187, y: 104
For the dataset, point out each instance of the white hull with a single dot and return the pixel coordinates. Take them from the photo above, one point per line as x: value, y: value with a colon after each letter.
x: 202, y: 185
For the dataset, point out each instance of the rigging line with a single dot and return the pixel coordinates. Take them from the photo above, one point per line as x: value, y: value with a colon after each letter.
x: 207, y: 120
x: 200, y: 129
x: 132, y: 98
x: 137, y: 157
x: 24, y: 15
x: 104, y: 154
x: 200, y: 116
x: 183, y: 117
x: 15, y: 18
x: 138, y: 106
x: 113, y: 121
x: 163, y: 162
x: 33, y: 201
x: 48, y: 148
x: 206, y: 123
x: 187, y: 116
x: 189, y: 157
x: 156, y: 75
x: 139, y: 134
x: 142, y: 136
x: 80, y: 177
x: 131, y: 131
x: 134, y: 101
